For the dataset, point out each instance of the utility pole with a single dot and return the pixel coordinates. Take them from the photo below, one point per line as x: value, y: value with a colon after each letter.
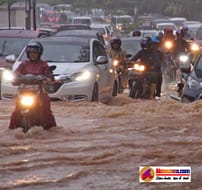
x: 34, y: 14
x: 28, y: 14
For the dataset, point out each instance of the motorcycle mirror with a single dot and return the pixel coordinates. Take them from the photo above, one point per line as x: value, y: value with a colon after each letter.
x: 52, y: 67
x: 128, y: 55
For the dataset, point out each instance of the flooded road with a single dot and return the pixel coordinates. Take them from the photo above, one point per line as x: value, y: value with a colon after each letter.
x: 101, y: 146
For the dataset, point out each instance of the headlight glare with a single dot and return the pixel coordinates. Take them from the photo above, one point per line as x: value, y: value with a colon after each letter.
x: 8, y: 75
x: 27, y: 100
x: 183, y: 58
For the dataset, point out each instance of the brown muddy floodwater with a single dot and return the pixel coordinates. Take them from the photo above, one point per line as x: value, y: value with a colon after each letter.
x: 101, y: 146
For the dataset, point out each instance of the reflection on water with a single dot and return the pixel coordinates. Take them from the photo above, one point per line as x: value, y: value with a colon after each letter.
x: 100, y: 146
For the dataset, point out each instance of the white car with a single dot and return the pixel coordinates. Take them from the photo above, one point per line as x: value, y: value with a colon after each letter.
x: 162, y: 26
x: 83, y: 70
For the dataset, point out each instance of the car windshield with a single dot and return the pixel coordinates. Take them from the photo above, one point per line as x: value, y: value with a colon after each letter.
x: 10, y: 46
x: 64, y: 52
x: 131, y: 46
x: 101, y: 30
x: 82, y: 21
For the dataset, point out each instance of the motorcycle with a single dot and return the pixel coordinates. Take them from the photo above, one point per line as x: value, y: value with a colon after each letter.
x: 169, y: 66
x: 121, y: 75
x: 28, y: 102
x: 139, y: 84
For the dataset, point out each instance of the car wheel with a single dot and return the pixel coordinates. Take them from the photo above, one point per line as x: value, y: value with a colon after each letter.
x: 95, y: 93
x: 115, y: 89
x: 185, y: 100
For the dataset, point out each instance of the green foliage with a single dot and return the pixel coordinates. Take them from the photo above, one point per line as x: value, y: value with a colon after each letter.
x: 8, y: 2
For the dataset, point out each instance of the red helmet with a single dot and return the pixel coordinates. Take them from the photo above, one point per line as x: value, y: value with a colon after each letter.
x: 168, y: 31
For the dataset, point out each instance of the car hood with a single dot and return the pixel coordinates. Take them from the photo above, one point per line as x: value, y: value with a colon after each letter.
x: 69, y: 68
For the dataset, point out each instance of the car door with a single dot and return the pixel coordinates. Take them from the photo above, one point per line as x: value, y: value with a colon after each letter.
x: 102, y: 69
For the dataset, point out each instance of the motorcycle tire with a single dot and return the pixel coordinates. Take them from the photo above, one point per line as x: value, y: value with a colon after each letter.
x: 135, y: 91
x: 25, y: 124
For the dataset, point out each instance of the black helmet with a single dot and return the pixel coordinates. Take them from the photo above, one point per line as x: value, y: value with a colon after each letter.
x: 145, y: 43
x: 34, y: 46
x: 179, y: 33
x: 136, y: 33
x: 115, y: 40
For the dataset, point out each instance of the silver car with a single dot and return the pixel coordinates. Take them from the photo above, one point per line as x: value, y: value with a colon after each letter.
x: 83, y: 70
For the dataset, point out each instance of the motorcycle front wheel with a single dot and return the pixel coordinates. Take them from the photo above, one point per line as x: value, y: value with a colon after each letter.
x: 135, y: 90
x: 25, y: 124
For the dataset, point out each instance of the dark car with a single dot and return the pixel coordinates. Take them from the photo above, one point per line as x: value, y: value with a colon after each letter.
x: 193, y: 82
x: 198, y: 36
x: 13, y: 41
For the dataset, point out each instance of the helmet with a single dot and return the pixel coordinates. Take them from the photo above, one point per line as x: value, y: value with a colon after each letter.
x: 179, y: 33
x: 185, y: 28
x: 34, y: 46
x: 136, y: 33
x: 115, y: 40
x: 155, y: 39
x: 145, y: 43
x: 168, y: 31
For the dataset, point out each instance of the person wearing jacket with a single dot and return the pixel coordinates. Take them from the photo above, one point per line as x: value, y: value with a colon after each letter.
x: 158, y: 66
x: 34, y: 65
x: 148, y: 56
x: 116, y: 52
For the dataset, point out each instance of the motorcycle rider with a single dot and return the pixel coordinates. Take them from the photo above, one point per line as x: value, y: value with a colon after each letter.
x: 167, y: 36
x: 34, y: 65
x: 116, y: 52
x: 187, y: 34
x: 156, y: 47
x: 180, y: 46
x: 148, y: 56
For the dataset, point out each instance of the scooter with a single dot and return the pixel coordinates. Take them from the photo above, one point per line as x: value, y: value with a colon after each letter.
x: 28, y: 102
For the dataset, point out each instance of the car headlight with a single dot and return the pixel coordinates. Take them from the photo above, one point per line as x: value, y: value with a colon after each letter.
x: 8, y: 75
x: 62, y: 79
x: 81, y: 76
x: 193, y: 84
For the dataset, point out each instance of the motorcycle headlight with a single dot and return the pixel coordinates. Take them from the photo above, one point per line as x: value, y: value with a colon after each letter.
x: 27, y: 100
x: 184, y: 58
x: 193, y: 84
x: 8, y: 75
x: 115, y: 62
x: 195, y: 47
x: 168, y: 44
x: 139, y: 67
x: 81, y: 76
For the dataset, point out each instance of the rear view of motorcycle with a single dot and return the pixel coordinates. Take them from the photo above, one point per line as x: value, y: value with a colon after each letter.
x: 139, y: 84
x: 28, y: 102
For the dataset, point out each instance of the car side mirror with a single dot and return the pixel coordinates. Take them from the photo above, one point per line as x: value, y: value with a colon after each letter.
x: 10, y: 58
x: 101, y: 60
